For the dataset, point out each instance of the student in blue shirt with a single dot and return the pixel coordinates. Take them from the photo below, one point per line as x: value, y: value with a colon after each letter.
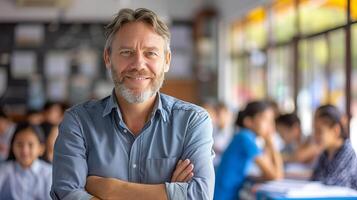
x: 24, y: 176
x: 337, y: 163
x: 256, y: 120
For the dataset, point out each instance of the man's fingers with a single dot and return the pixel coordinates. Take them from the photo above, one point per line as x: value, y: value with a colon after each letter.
x: 186, y: 172
x: 188, y: 177
x: 174, y: 175
x: 181, y: 165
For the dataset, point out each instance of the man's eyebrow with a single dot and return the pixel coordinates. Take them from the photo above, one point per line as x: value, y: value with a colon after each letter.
x: 125, y: 47
x: 152, y: 48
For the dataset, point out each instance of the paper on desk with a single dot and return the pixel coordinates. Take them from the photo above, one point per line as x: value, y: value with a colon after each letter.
x: 283, y: 186
x: 320, y: 190
x: 303, y: 189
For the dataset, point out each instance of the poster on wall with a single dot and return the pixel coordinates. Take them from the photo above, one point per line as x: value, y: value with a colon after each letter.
x: 23, y: 64
x: 79, y: 89
x: 57, y: 89
x: 29, y: 35
x: 3, y: 80
x: 57, y: 64
x: 87, y: 60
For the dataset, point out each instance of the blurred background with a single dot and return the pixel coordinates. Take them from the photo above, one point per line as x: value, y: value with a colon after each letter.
x: 298, y: 53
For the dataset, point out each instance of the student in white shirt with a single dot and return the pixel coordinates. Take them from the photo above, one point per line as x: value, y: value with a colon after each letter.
x: 24, y: 176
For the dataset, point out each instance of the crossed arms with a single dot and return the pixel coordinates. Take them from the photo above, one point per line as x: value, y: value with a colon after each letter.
x: 111, y: 188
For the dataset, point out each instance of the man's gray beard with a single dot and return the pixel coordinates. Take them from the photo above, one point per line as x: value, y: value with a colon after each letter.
x: 131, y: 96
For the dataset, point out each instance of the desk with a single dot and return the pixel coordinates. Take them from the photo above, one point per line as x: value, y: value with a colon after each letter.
x: 303, y: 190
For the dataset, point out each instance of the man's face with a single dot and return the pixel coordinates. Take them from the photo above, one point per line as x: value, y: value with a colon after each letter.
x: 137, y: 62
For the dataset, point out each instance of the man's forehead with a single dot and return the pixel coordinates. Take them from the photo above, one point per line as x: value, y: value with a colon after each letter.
x: 134, y: 33
x: 139, y: 30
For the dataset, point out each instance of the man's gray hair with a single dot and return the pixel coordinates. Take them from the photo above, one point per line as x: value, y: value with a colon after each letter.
x: 127, y: 15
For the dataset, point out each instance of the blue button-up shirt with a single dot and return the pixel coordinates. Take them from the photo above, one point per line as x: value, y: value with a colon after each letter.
x: 94, y: 140
x: 17, y: 183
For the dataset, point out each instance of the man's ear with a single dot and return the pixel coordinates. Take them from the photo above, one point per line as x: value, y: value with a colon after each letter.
x: 106, y: 57
x: 167, y: 61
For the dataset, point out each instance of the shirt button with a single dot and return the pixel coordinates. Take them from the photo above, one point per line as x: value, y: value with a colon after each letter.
x: 125, y: 131
x: 134, y: 166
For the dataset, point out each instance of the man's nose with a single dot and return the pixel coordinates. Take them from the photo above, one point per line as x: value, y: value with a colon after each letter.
x: 138, y: 61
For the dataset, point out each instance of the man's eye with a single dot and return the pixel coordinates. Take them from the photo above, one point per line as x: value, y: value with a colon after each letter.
x: 125, y: 53
x: 151, y: 54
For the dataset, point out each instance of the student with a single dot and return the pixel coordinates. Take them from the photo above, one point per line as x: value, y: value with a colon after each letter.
x: 257, y: 120
x: 35, y: 117
x: 297, y: 148
x: 222, y: 134
x: 24, y: 176
x: 53, y: 112
x: 337, y: 163
x: 7, y: 128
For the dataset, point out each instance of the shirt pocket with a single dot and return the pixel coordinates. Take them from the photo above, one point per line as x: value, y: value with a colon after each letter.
x: 159, y: 170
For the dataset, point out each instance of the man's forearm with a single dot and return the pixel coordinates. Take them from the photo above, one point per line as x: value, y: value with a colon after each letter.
x: 110, y: 188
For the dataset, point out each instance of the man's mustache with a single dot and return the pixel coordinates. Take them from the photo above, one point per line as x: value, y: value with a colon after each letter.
x: 136, y: 73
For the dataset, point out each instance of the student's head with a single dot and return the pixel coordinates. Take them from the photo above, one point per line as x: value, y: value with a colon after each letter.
x: 137, y: 54
x: 26, y: 144
x: 257, y: 116
x: 288, y: 126
x: 53, y: 112
x: 223, y: 115
x: 35, y: 116
x: 210, y: 108
x: 328, y: 126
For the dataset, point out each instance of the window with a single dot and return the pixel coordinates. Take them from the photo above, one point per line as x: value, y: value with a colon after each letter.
x: 316, y: 16
x: 237, y: 39
x: 283, y: 22
x: 353, y: 124
x: 255, y: 33
x: 336, y: 70
x: 247, y: 80
x: 280, y: 73
x: 313, y: 89
x: 354, y: 10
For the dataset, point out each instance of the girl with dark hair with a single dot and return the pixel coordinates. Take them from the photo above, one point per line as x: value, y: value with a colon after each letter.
x: 297, y: 148
x: 24, y: 176
x: 337, y: 163
x: 256, y: 120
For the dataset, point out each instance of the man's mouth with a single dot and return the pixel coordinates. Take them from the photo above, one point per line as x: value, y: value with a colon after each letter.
x: 138, y: 78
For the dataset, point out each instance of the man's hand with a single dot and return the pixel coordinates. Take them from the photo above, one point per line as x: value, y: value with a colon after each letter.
x: 99, y: 186
x: 183, y: 171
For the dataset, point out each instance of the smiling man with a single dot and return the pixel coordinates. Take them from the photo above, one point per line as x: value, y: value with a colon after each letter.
x: 136, y: 143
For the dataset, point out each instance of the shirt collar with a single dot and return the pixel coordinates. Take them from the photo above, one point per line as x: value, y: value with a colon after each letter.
x: 159, y: 107
x: 112, y: 103
x: 34, y: 168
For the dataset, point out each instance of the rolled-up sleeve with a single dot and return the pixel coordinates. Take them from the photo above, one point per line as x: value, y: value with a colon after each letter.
x: 69, y: 162
x: 197, y: 148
